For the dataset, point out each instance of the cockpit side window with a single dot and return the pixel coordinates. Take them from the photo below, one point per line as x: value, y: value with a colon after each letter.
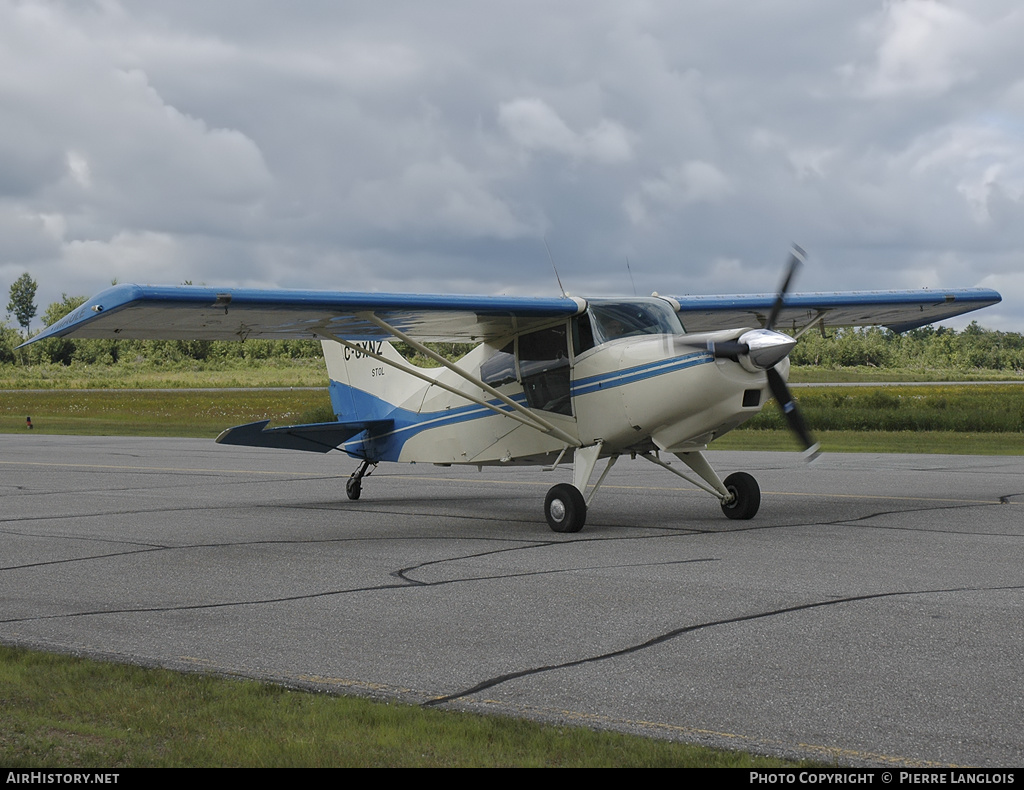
x: 613, y: 320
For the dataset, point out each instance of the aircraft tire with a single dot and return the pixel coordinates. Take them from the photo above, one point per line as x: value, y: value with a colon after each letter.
x: 353, y: 488
x: 565, y: 508
x: 748, y: 496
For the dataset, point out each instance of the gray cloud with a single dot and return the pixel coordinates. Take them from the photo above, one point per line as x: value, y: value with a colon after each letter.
x: 414, y: 146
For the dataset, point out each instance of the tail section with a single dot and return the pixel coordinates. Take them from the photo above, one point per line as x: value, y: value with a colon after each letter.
x: 365, y: 388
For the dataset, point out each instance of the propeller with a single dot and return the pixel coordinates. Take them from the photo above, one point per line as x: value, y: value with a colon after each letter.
x: 796, y: 257
x: 776, y: 383
x: 765, y: 348
x: 793, y: 417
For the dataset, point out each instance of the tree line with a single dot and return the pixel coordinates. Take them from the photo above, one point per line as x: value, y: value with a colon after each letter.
x: 973, y: 348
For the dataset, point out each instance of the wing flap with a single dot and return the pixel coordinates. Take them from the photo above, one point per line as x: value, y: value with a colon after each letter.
x: 318, y: 437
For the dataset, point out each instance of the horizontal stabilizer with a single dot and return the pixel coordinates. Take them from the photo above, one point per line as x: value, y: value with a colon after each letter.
x: 318, y: 438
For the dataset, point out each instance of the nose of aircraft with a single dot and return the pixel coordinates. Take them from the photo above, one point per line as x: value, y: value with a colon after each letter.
x: 766, y: 347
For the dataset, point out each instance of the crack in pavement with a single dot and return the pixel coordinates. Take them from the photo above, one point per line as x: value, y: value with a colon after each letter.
x: 402, y: 573
x: 43, y: 563
x: 147, y: 547
x: 407, y: 584
x: 677, y: 632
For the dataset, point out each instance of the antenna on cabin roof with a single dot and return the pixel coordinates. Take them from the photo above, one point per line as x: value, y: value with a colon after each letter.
x: 630, y: 276
x: 550, y: 258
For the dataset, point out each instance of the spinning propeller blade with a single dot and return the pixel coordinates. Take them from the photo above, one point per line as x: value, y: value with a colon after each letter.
x: 775, y: 381
x: 793, y: 418
x: 796, y: 257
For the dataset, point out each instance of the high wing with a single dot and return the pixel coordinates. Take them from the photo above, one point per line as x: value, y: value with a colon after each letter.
x: 899, y: 311
x: 201, y: 313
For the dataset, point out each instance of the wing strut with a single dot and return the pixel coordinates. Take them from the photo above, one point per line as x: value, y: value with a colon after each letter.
x: 818, y: 319
x: 519, y: 413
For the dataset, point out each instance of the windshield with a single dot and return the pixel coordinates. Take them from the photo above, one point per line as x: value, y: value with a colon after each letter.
x: 615, y: 319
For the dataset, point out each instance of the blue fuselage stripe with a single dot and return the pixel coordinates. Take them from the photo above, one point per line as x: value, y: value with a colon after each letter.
x: 632, y: 375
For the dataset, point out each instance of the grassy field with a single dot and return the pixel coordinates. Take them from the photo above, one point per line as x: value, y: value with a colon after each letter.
x: 60, y: 711
x: 959, y: 408
x: 865, y: 374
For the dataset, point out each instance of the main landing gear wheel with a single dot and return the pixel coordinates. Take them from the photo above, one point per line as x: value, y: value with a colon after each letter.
x: 565, y: 508
x: 746, y: 496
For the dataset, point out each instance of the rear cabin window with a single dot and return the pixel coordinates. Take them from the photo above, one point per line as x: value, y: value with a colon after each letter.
x: 500, y: 368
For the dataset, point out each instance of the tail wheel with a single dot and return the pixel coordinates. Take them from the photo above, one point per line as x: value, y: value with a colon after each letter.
x: 354, y: 484
x: 565, y: 508
x: 746, y: 496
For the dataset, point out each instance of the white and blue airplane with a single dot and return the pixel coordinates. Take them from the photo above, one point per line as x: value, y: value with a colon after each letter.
x: 552, y: 381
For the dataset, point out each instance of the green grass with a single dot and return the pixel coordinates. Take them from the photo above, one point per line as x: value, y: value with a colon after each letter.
x: 58, y: 711
x: 956, y: 408
x: 942, y: 418
x: 805, y: 374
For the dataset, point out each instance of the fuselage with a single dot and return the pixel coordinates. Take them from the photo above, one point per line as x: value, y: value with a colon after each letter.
x: 624, y: 374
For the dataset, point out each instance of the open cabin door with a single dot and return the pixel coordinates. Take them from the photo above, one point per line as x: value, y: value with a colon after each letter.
x: 539, y: 361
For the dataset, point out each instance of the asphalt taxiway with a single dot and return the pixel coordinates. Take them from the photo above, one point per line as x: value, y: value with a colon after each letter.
x: 872, y: 613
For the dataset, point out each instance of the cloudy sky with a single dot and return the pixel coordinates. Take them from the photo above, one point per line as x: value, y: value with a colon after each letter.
x: 435, y: 146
